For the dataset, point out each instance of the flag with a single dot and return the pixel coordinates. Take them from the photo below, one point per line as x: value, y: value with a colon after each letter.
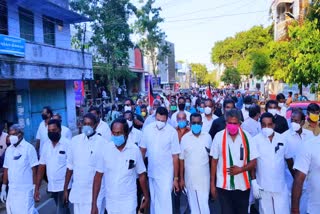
x: 150, y: 92
x: 209, y: 94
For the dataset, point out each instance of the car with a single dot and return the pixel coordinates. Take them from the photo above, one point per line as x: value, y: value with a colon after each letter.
x: 302, y: 105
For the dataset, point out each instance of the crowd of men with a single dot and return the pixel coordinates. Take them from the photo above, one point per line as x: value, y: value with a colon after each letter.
x: 171, y: 157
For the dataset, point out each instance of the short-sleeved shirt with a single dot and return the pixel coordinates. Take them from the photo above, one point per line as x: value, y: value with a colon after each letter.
x: 42, y: 135
x: 195, y: 153
x: 134, y: 137
x: 19, y: 162
x: 104, y: 130
x: 216, y: 153
x: 308, y: 162
x: 120, y: 170
x: 66, y: 132
x: 82, y: 157
x: 55, y: 159
x: 3, y: 143
x: 207, y: 123
x: 160, y: 145
x: 315, y: 130
x: 271, y: 164
x: 252, y: 126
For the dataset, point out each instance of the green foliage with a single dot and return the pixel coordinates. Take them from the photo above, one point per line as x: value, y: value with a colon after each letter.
x: 211, y: 78
x: 201, y: 73
x: 231, y: 76
x: 260, y: 63
x: 314, y: 12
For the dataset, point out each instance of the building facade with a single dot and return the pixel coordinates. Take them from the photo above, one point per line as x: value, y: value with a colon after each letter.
x: 37, y: 65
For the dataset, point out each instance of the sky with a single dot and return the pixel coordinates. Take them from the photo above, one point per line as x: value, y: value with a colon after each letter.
x: 195, y: 25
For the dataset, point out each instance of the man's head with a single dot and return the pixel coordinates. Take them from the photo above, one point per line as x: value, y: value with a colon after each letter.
x: 290, y: 94
x: 188, y: 102
x: 267, y: 121
x: 297, y: 119
x: 90, y: 123
x: 15, y: 134
x: 181, y: 103
x: 144, y: 110
x: 313, y: 111
x: 228, y: 104
x: 196, y: 123
x: 46, y: 113
x: 182, y: 120
x: 128, y: 105
x: 120, y: 131
x: 254, y: 111
x: 209, y: 106
x: 96, y: 111
x: 173, y: 106
x: 272, y: 107
x: 247, y: 101
x: 54, y: 130
x: 128, y: 115
x: 57, y: 116
x: 281, y: 99
x: 161, y: 117
x: 233, y: 119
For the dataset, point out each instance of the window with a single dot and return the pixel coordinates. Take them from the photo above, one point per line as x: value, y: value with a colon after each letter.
x: 3, y: 17
x: 26, y: 19
x: 49, y: 30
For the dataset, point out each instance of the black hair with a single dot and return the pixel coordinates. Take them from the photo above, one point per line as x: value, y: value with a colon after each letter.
x: 91, y: 117
x: 123, y: 122
x: 267, y: 115
x: 93, y: 108
x: 290, y: 93
x: 235, y: 99
x: 270, y: 102
x: 188, y: 98
x: 233, y: 113
x: 280, y: 96
x: 143, y: 106
x: 299, y: 112
x: 131, y: 101
x: 195, y: 115
x: 182, y: 98
x: 113, y: 107
x: 247, y: 99
x: 55, y: 122
x: 49, y: 110
x: 162, y: 111
x: 129, y: 112
x: 313, y: 107
x: 1, y: 128
x: 227, y: 101
x: 254, y: 109
x: 210, y: 100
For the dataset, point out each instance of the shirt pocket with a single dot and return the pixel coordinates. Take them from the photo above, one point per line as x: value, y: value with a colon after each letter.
x: 62, y: 157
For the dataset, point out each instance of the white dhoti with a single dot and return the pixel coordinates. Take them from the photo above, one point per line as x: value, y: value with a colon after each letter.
x: 123, y: 205
x: 19, y: 202
x: 160, y: 195
x: 274, y: 203
x: 81, y: 208
x: 198, y: 201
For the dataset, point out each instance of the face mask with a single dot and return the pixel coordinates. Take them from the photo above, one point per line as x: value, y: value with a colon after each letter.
x: 207, y: 110
x: 143, y: 114
x: 127, y: 108
x: 314, y: 117
x: 118, y: 140
x: 160, y: 125
x: 295, y: 126
x: 182, y: 107
x: 87, y: 130
x: 13, y: 139
x: 273, y: 111
x: 130, y: 123
x: 196, y: 128
x: 173, y: 108
x: 188, y: 104
x: 232, y: 128
x: 201, y: 110
x: 267, y: 132
x: 54, y: 136
x: 182, y: 124
x: 44, y: 116
x: 281, y: 105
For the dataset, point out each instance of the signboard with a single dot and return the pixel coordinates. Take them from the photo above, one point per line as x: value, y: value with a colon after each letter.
x: 79, y: 92
x: 12, y: 45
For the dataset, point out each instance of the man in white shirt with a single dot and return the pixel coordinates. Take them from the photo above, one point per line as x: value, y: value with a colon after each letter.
x: 181, y: 106
x: 42, y: 133
x: 20, y: 171
x: 84, y: 151
x: 53, y: 161
x: 3, y: 140
x: 135, y: 135
x: 307, y: 165
x: 120, y: 165
x: 152, y: 117
x: 282, y: 104
x: 233, y: 157
x: 194, y: 166
x: 102, y: 128
x: 270, y: 183
x: 296, y: 138
x: 161, y: 142
x: 208, y: 116
x: 251, y: 124
x: 65, y: 131
x: 245, y: 109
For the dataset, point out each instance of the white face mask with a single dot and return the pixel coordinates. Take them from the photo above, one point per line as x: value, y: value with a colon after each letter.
x: 130, y: 123
x: 13, y: 139
x: 160, y: 125
x: 267, y: 132
x: 207, y: 110
x: 295, y: 126
x: 273, y: 111
x: 127, y: 108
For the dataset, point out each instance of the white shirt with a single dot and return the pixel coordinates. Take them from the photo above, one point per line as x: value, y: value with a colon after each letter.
x: 160, y: 145
x: 308, y: 162
x: 3, y: 143
x: 252, y: 126
x: 83, y: 154
x: 283, y: 111
x: 271, y: 164
x: 120, y: 170
x: 42, y: 135
x: 55, y: 159
x: 174, y: 117
x: 207, y: 123
x: 216, y: 153
x: 134, y: 137
x: 245, y: 113
x: 195, y: 153
x: 66, y: 132
x: 152, y: 118
x: 104, y: 130
x: 19, y: 162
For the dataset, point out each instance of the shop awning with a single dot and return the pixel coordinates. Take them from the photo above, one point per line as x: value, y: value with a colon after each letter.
x: 50, y: 9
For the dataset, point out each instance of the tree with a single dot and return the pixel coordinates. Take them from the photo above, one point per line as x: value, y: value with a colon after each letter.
x: 200, y: 71
x: 231, y: 76
x: 211, y: 78
x: 260, y: 63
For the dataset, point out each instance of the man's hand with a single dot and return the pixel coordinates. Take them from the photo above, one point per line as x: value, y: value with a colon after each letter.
x: 182, y: 184
x: 36, y: 195
x: 214, y: 192
x: 256, y: 189
x: 94, y: 208
x: 66, y: 196
x: 234, y: 170
x: 145, y: 204
x: 295, y: 211
x: 176, y: 187
x: 3, y: 194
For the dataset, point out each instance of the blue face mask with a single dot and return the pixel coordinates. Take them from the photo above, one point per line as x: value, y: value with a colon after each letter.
x: 182, y: 124
x: 201, y: 110
x: 196, y: 128
x: 118, y: 140
x: 188, y: 104
x: 87, y: 130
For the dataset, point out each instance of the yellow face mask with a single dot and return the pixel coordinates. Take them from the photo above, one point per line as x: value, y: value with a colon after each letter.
x: 143, y: 114
x: 314, y: 117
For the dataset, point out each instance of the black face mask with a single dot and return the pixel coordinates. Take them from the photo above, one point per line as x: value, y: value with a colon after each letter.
x: 54, y: 136
x: 181, y: 106
x: 44, y: 116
